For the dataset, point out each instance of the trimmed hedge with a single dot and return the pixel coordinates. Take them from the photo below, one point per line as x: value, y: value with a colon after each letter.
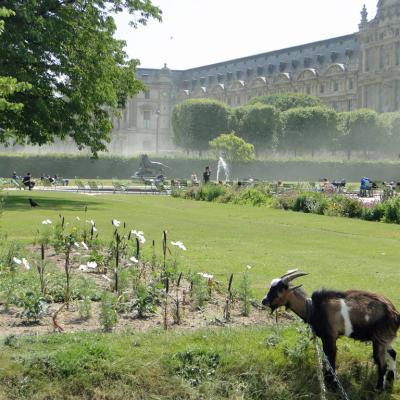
x: 124, y: 168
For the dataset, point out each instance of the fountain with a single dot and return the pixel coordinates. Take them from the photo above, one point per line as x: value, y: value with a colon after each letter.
x: 222, y: 165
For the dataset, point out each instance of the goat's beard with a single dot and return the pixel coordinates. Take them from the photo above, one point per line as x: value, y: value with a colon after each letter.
x: 273, y: 308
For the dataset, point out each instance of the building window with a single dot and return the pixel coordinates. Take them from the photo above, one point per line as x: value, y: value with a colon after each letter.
x: 147, y: 94
x: 146, y: 119
x: 397, y: 53
x: 322, y: 88
x: 238, y: 100
x: 349, y: 105
x: 351, y: 84
x: 335, y: 86
x: 308, y: 89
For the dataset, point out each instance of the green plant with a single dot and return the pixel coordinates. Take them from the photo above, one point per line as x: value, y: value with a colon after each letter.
x: 108, y: 311
x: 200, y: 293
x: 210, y: 192
x: 9, y: 263
x: 196, y: 366
x: 85, y: 301
x: 146, y: 298
x: 245, y: 293
x: 33, y: 304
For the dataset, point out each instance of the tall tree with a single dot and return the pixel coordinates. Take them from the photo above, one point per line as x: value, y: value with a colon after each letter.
x: 260, y: 125
x: 197, y: 121
x: 234, y: 148
x: 80, y: 74
x: 309, y: 128
x: 360, y: 130
x: 286, y: 101
x: 391, y: 130
x: 9, y: 85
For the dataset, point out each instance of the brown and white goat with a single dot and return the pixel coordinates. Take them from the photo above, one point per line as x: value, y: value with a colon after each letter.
x: 357, y: 314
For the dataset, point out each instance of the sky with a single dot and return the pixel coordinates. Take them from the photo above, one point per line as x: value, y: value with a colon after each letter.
x: 194, y: 33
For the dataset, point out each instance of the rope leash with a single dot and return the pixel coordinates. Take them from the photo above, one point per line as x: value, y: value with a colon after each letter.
x: 321, y: 360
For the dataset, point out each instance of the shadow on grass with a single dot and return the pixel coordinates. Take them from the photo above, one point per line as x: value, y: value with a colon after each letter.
x: 21, y: 203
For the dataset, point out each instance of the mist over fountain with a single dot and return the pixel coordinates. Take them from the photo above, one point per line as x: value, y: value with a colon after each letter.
x: 222, y: 165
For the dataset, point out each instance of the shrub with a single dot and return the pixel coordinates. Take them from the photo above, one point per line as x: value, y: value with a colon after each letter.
x: 251, y: 196
x: 315, y: 203
x: 210, y: 192
x: 375, y: 212
x: 285, y: 201
x: 392, y: 211
x: 350, y: 208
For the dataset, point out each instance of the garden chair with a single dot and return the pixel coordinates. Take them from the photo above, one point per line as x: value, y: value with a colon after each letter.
x: 17, y: 184
x: 94, y: 186
x: 80, y: 185
x: 119, y: 187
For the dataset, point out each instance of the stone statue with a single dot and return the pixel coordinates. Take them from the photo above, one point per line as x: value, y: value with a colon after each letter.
x: 149, y: 168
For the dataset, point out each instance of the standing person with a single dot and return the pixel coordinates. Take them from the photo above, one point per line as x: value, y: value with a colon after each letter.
x: 194, y: 179
x: 206, y: 175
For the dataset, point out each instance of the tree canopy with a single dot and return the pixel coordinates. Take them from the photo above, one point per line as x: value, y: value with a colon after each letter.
x: 9, y: 85
x: 197, y: 121
x: 234, y: 148
x: 259, y: 124
x: 308, y: 128
x: 79, y: 73
x: 286, y: 101
x: 360, y: 130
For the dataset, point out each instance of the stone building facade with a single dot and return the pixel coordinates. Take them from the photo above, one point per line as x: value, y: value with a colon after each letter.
x: 348, y: 72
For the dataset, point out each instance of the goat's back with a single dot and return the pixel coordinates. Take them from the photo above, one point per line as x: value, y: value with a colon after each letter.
x: 358, y: 314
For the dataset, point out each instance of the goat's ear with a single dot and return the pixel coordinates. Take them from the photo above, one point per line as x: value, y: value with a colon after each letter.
x: 296, y: 287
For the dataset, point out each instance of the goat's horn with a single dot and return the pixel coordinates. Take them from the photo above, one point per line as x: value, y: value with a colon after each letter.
x: 291, y: 277
x: 290, y: 272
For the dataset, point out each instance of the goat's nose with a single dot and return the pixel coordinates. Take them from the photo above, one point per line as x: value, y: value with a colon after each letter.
x: 265, y: 301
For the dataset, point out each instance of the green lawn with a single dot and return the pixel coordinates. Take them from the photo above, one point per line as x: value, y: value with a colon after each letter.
x: 248, y: 363
x: 223, y: 238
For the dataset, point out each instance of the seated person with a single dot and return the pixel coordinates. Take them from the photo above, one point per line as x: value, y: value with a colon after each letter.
x: 15, y: 176
x: 28, y: 182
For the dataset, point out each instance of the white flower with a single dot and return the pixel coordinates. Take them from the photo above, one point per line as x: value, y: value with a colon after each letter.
x: 84, y: 245
x: 106, y: 278
x: 77, y: 218
x: 76, y: 244
x: 134, y: 259
x: 139, y: 235
x: 248, y: 266
x: 179, y: 244
x: 82, y: 267
x: 91, y: 222
x: 116, y: 223
x: 26, y: 263
x: 17, y: 260
x: 92, y: 264
x: 94, y: 229
x: 46, y: 222
x: 205, y: 276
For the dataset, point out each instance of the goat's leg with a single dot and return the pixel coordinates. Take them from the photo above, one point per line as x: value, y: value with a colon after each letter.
x: 391, y: 361
x: 329, y: 346
x: 379, y: 351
